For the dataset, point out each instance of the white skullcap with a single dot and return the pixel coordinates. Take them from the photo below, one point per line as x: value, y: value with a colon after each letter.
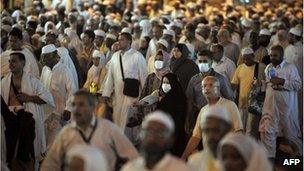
x: 163, y: 42
x: 126, y: 30
x: 135, y: 18
x: 39, y: 29
x: 177, y: 24
x: 48, y: 49
x: 18, y: 26
x: 92, y: 157
x: 144, y: 23
x: 16, y: 14
x: 218, y: 112
x: 247, y: 51
x: 97, y: 54
x: 100, y: 33
x: 111, y: 36
x: 295, y: 31
x: 265, y: 32
x: 6, y: 28
x: 246, y: 22
x: 58, y: 25
x: 81, y: 36
x: 160, y: 117
x: 169, y: 32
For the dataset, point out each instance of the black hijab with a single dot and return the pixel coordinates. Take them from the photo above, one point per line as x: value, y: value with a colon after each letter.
x: 176, y: 63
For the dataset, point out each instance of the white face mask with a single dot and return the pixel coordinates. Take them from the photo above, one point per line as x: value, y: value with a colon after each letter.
x: 158, y: 64
x: 203, y: 67
x: 166, y: 87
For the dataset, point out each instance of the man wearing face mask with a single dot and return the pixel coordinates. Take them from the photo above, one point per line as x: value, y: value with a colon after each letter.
x: 242, y: 80
x: 195, y: 98
x: 280, y: 111
x: 157, y: 134
x: 210, y: 88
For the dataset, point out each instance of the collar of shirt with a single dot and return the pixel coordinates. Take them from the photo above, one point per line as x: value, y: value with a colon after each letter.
x: 127, y: 52
x: 91, y: 123
x: 281, y: 64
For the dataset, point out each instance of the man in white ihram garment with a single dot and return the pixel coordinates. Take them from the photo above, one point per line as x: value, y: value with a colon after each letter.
x: 61, y: 86
x: 15, y: 43
x: 157, y: 136
x: 280, y: 109
x: 32, y: 95
x: 134, y: 66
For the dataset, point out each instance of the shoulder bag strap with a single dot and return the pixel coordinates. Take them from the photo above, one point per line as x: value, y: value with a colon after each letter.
x: 256, y: 71
x: 121, y: 67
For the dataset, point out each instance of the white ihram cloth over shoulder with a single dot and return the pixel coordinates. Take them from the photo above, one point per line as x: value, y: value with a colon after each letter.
x: 134, y: 65
x: 167, y: 163
x: 31, y: 65
x: 33, y: 87
x: 62, y: 87
x: 66, y: 60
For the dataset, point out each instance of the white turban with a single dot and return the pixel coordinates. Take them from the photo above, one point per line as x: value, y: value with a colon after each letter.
x: 265, y: 32
x: 295, y: 31
x: 163, y: 42
x: 218, y: 112
x: 100, y: 33
x: 247, y: 51
x: 92, y: 157
x: 169, y: 32
x: 48, y: 49
x: 126, y: 30
x: 160, y: 117
x: 111, y: 36
x: 253, y: 153
x: 97, y: 54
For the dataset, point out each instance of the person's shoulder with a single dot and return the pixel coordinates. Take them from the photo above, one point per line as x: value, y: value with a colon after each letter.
x: 197, y: 157
x: 227, y: 102
x: 133, y: 165
x: 178, y: 163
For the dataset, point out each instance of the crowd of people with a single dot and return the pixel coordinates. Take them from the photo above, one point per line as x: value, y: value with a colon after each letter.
x: 152, y: 85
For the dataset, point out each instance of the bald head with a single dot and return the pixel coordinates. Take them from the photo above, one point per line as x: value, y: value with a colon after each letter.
x: 211, y: 87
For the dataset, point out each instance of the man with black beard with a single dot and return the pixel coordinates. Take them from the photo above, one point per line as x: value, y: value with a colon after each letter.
x: 157, y: 138
x: 261, y: 54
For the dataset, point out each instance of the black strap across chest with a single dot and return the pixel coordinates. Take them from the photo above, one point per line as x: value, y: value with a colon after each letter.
x: 87, y: 139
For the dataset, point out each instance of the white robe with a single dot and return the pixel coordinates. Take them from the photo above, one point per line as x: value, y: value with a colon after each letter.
x: 94, y: 73
x: 33, y: 87
x: 134, y: 66
x: 280, y: 110
x: 167, y: 163
x: 62, y: 88
x: 31, y: 64
x: 151, y: 49
x: 67, y: 61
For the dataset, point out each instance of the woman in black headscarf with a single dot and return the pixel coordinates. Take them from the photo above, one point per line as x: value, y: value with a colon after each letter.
x: 173, y: 101
x: 182, y: 66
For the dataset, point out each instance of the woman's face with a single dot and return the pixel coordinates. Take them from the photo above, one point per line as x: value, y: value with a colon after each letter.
x: 166, y: 81
x: 176, y: 53
x: 159, y: 57
x: 232, y: 159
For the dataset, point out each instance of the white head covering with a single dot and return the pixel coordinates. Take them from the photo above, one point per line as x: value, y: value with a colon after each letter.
x: 163, y: 42
x: 218, y: 112
x: 100, y: 33
x: 265, y: 32
x: 295, y: 31
x: 146, y: 27
x: 39, y: 29
x: 6, y: 28
x: 253, y: 153
x: 246, y: 22
x: 75, y: 41
x: 126, y: 30
x: 93, y: 158
x: 177, y: 24
x: 111, y: 36
x: 160, y: 117
x: 97, y: 54
x: 47, y: 24
x: 169, y: 32
x: 16, y: 14
x: 48, y: 49
x: 247, y: 51
x: 18, y: 26
x: 67, y: 61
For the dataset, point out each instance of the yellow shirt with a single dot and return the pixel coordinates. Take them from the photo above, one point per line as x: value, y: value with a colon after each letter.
x: 243, y: 77
x: 231, y: 108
